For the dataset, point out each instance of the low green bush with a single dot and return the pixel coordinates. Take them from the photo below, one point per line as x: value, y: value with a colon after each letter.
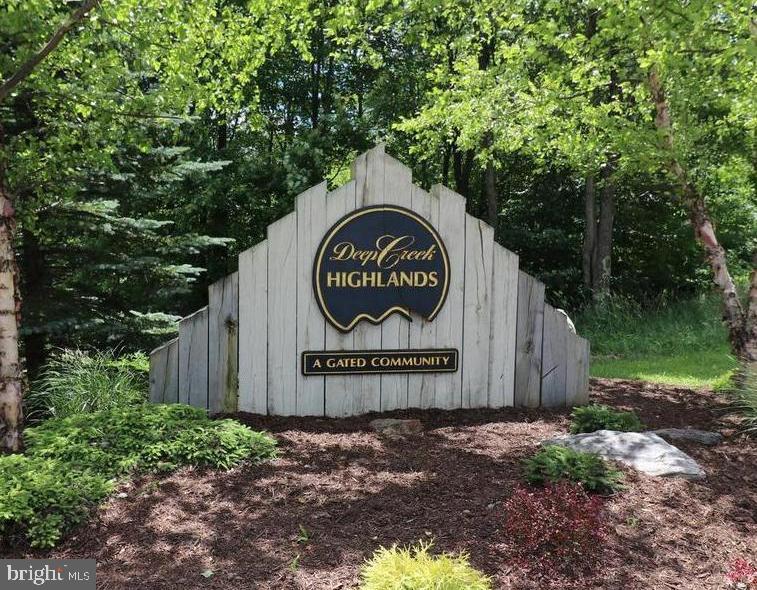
x: 150, y: 436
x: 415, y: 568
x: 554, y: 464
x: 40, y: 498
x: 75, y: 382
x: 71, y: 463
x: 598, y: 417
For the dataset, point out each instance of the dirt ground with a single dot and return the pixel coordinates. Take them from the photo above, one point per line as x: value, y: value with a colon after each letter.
x: 338, y: 491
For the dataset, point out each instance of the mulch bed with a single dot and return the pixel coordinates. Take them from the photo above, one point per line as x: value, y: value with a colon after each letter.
x: 338, y: 491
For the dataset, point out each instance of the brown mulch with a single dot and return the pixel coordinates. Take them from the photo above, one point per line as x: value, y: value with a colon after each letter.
x: 338, y: 491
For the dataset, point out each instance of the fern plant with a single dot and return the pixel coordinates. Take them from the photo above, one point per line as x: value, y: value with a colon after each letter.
x: 599, y: 417
x: 554, y: 464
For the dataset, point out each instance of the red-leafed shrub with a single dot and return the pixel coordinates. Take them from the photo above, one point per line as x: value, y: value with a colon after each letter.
x: 743, y: 574
x: 555, y: 528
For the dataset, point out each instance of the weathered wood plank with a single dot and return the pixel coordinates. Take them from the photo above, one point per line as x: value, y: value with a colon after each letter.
x: 341, y: 395
x: 368, y: 174
x: 164, y: 373
x: 554, y: 357
x: 528, y: 341
x: 311, y: 325
x: 253, y: 322
x: 449, y: 321
x: 479, y: 246
x: 504, y: 312
x: 577, y: 387
x: 398, y: 187
x: 223, y: 341
x: 193, y: 359
x: 421, y: 387
x: 282, y: 316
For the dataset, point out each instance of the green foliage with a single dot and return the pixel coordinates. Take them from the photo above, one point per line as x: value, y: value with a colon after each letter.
x: 553, y: 464
x: 743, y: 392
x: 699, y: 368
x: 144, y: 437
x: 620, y: 326
x: 600, y: 417
x: 72, y: 463
x: 40, y: 498
x: 79, y: 382
x: 414, y: 568
x: 680, y: 343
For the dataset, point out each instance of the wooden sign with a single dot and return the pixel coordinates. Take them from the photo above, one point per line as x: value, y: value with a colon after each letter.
x: 374, y: 296
x: 377, y: 261
x: 339, y: 362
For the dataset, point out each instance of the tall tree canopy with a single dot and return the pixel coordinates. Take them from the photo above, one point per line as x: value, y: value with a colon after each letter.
x: 144, y: 142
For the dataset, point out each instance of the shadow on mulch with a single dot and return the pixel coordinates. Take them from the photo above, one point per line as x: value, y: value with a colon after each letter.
x: 309, y: 519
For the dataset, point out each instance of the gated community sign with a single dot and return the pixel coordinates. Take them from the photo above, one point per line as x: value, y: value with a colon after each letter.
x: 375, y: 296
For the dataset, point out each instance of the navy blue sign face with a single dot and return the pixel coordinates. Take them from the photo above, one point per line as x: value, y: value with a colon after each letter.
x: 377, y: 261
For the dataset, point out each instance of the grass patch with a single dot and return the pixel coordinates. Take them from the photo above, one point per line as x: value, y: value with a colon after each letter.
x: 682, y: 343
x: 76, y: 382
x: 710, y: 369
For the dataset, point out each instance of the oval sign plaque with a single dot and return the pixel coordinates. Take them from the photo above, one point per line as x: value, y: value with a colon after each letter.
x: 379, y: 260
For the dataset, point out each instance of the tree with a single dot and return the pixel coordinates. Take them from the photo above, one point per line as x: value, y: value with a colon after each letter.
x: 10, y: 300
x: 122, y: 62
x: 604, y: 98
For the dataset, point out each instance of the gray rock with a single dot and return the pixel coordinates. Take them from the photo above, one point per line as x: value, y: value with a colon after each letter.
x: 644, y: 451
x: 394, y: 427
x: 703, y: 437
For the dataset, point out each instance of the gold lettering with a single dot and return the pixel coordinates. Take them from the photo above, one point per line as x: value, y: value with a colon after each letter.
x: 334, y: 279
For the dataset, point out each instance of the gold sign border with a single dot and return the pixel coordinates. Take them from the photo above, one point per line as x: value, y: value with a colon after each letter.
x: 401, y: 310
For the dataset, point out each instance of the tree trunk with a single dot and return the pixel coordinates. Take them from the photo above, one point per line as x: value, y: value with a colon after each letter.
x: 11, y: 414
x: 751, y: 316
x: 463, y: 165
x: 602, y: 269
x: 33, y: 290
x: 492, y: 202
x: 11, y: 417
x: 590, y: 232
x: 741, y: 334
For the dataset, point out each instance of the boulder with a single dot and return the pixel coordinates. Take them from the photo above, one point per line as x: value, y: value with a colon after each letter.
x: 394, y: 427
x: 644, y: 451
x: 703, y: 437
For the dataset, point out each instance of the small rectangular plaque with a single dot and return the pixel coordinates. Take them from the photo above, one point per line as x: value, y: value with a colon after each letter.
x: 356, y: 362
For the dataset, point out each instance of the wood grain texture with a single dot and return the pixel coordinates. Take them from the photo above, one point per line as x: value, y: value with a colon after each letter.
x: 282, y: 316
x: 164, y: 373
x: 253, y: 328
x: 479, y: 246
x: 193, y: 359
x: 554, y: 358
x: 449, y: 321
x: 421, y: 387
x: 342, y: 397
x: 398, y: 187
x: 368, y: 174
x: 504, y: 312
x: 512, y: 351
x: 311, y: 325
x: 577, y: 380
x: 528, y: 341
x: 223, y: 349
